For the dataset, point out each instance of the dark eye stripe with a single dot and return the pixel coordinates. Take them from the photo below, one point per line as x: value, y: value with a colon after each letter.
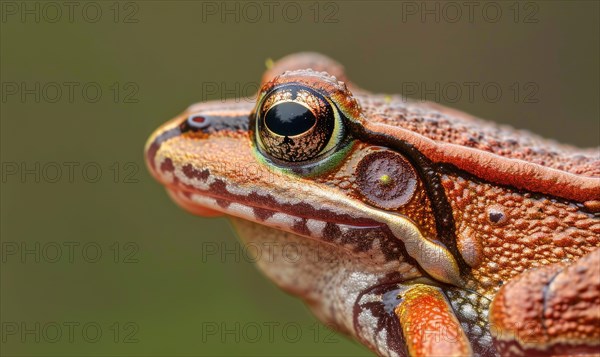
x: 194, y: 124
x: 213, y: 123
x: 430, y: 176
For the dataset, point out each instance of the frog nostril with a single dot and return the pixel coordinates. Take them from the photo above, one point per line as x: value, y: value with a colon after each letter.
x: 198, y: 121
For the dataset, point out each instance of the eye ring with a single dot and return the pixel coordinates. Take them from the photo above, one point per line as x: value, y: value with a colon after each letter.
x: 295, y: 124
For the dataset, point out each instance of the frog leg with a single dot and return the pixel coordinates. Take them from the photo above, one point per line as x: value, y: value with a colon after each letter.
x: 429, y: 325
x: 550, y: 311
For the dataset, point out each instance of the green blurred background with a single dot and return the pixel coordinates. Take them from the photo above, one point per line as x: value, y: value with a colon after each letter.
x: 154, y: 290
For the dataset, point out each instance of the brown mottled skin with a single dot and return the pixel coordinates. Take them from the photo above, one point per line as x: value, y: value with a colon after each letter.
x: 417, y: 229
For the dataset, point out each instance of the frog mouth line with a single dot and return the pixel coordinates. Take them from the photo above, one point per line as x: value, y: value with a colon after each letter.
x: 263, y: 206
x: 342, y: 231
x: 233, y: 205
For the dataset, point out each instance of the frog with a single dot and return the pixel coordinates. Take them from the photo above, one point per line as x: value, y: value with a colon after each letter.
x: 418, y: 229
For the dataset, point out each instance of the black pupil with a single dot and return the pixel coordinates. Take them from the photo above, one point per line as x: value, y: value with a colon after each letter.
x: 289, y: 119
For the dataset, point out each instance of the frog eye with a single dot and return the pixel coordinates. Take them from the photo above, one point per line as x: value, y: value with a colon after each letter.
x: 294, y: 123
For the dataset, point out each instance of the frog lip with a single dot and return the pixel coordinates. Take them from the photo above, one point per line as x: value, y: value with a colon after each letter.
x: 353, y: 235
x: 256, y: 207
x: 181, y: 198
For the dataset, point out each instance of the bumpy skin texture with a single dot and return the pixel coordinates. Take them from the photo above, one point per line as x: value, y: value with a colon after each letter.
x: 488, y: 151
x: 557, y: 310
x: 498, y: 218
x: 510, y: 232
x: 445, y: 125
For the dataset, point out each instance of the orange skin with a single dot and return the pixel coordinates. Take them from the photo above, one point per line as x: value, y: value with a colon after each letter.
x: 427, y: 222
